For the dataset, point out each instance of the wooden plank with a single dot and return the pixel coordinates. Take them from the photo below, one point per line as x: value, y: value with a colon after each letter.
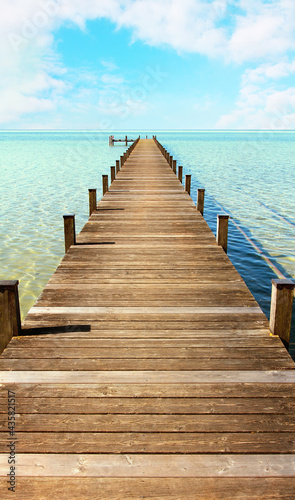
x: 149, y: 377
x: 151, y: 390
x: 154, y: 423
x: 172, y: 311
x: 111, y: 364
x: 153, y: 488
x: 79, y: 341
x: 145, y: 465
x: 150, y: 443
x: 141, y: 406
x: 144, y: 353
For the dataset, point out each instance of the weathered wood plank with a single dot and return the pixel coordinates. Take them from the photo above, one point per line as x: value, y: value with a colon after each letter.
x: 110, y: 364
x: 150, y: 443
x: 154, y: 423
x: 151, y: 390
x: 144, y: 465
x: 149, y: 377
x: 133, y: 406
x: 166, y: 352
x: 153, y: 488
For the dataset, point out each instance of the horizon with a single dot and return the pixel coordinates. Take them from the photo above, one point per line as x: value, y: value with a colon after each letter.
x: 212, y: 65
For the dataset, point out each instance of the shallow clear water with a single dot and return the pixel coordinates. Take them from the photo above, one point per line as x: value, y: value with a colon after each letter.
x: 250, y: 175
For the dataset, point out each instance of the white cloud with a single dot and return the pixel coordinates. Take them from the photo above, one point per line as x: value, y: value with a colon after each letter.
x: 235, y: 31
x: 261, y: 104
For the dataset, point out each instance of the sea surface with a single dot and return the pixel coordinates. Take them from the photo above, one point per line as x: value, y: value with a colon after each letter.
x: 248, y: 174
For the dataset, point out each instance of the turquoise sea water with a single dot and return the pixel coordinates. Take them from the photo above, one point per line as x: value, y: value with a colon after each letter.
x: 250, y: 175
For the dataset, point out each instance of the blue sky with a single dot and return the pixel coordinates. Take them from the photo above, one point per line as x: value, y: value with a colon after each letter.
x: 147, y: 64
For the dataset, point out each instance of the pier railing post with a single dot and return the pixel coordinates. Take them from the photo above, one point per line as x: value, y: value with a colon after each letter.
x: 174, y: 166
x: 113, y: 174
x: 121, y: 161
x: 200, y: 200
x: 92, y: 200
x: 171, y: 161
x: 281, y: 308
x: 180, y: 173
x: 222, y: 231
x: 188, y: 183
x: 105, y: 184
x: 70, y: 231
x: 117, y: 166
x: 10, y: 321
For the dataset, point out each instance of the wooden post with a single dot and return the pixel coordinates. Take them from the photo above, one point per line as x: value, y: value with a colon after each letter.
x: 174, y: 166
x: 70, y: 231
x: 180, y: 174
x: 121, y: 161
x: 105, y: 184
x: 117, y: 166
x: 188, y: 183
x: 281, y: 308
x: 10, y: 322
x: 126, y: 140
x: 200, y: 200
x: 113, y: 174
x: 92, y: 200
x: 222, y: 231
x: 171, y: 161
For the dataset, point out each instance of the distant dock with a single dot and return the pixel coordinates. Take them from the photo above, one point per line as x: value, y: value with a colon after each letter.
x: 146, y: 369
x: 112, y: 140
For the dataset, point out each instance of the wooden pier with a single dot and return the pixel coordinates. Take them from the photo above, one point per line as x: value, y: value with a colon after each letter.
x: 146, y: 368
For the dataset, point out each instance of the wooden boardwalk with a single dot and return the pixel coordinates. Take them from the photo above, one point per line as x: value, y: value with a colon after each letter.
x: 152, y: 372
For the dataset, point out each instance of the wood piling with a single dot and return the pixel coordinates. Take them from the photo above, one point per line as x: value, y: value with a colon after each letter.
x: 105, y: 184
x: 188, y: 183
x: 281, y: 308
x: 69, y: 231
x: 10, y: 322
x: 92, y: 200
x: 222, y: 231
x: 201, y: 200
x: 180, y: 169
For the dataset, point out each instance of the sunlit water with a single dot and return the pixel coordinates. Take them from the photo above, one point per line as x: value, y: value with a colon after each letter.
x: 250, y: 175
